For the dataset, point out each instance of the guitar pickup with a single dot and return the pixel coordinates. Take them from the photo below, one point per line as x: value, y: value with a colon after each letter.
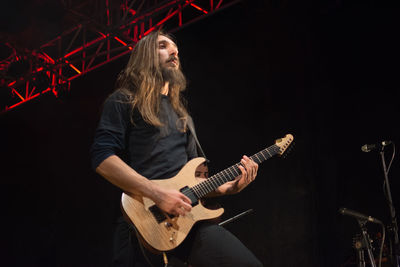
x: 157, y: 213
x: 187, y: 191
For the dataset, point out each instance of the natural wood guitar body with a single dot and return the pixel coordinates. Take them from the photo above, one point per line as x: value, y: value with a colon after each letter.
x: 168, y: 234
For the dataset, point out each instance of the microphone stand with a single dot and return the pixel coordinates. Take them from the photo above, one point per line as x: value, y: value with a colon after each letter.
x: 367, y: 241
x: 392, y: 228
x: 361, y: 260
x: 359, y: 245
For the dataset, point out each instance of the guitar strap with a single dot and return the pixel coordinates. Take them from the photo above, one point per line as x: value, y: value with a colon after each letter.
x: 190, y: 125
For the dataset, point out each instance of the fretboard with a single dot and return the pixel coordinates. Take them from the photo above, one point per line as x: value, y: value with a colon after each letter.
x: 229, y: 174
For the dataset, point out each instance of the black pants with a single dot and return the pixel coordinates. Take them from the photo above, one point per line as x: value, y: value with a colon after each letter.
x: 207, y: 245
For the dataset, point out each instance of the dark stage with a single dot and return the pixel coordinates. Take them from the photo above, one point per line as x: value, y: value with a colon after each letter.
x: 324, y: 71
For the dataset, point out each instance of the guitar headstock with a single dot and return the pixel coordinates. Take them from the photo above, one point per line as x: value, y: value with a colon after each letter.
x: 285, y: 144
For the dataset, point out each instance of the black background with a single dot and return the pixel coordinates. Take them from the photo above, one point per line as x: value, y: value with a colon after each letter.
x: 326, y: 71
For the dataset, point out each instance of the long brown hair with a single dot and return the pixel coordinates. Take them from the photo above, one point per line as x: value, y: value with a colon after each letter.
x: 142, y: 81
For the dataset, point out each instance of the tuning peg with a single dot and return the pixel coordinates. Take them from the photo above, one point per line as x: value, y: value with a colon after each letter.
x: 288, y: 150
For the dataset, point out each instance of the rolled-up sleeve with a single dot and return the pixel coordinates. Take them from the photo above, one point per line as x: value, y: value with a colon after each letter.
x: 110, y: 135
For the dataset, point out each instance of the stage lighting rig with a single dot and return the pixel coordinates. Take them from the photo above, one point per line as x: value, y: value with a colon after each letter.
x: 101, y: 31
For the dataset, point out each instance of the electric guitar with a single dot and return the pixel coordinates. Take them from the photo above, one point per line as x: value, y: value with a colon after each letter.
x: 161, y: 231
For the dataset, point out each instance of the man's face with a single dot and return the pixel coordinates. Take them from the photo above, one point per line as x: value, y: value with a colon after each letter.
x: 168, y: 53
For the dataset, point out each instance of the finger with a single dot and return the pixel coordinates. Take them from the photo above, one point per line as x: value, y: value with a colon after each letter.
x: 252, y: 171
x: 256, y: 167
x: 186, y: 199
x: 255, y: 170
x: 244, y: 172
x: 186, y: 207
x: 180, y: 211
x: 175, y: 211
x: 251, y: 167
x: 248, y: 169
x: 248, y: 164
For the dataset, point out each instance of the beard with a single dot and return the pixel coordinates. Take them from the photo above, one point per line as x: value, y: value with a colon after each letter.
x: 174, y: 77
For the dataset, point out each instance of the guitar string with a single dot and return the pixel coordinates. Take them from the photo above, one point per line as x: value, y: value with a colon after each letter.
x: 229, y: 174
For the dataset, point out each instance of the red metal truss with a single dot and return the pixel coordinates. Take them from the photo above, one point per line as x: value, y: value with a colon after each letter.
x: 104, y: 31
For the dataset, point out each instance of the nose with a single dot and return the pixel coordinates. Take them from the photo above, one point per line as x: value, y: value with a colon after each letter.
x: 173, y: 51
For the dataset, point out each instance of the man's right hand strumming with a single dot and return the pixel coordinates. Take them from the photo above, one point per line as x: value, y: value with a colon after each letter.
x: 172, y: 201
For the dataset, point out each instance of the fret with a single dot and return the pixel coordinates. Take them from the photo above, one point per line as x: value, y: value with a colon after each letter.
x: 209, y: 186
x: 214, y: 182
x: 206, y: 188
x: 202, y: 191
x: 231, y: 175
x: 212, y: 186
x: 262, y: 153
x: 237, y: 169
x: 268, y: 152
x: 225, y: 179
x: 196, y: 189
x: 196, y: 192
x: 222, y: 178
x: 224, y: 175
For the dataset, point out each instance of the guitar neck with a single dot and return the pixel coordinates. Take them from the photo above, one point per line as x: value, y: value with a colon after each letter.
x: 229, y: 174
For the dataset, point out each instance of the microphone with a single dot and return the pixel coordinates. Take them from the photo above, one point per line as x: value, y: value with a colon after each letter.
x: 380, y: 145
x: 359, y: 216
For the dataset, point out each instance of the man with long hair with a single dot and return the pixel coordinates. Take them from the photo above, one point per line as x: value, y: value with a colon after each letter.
x: 142, y: 135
